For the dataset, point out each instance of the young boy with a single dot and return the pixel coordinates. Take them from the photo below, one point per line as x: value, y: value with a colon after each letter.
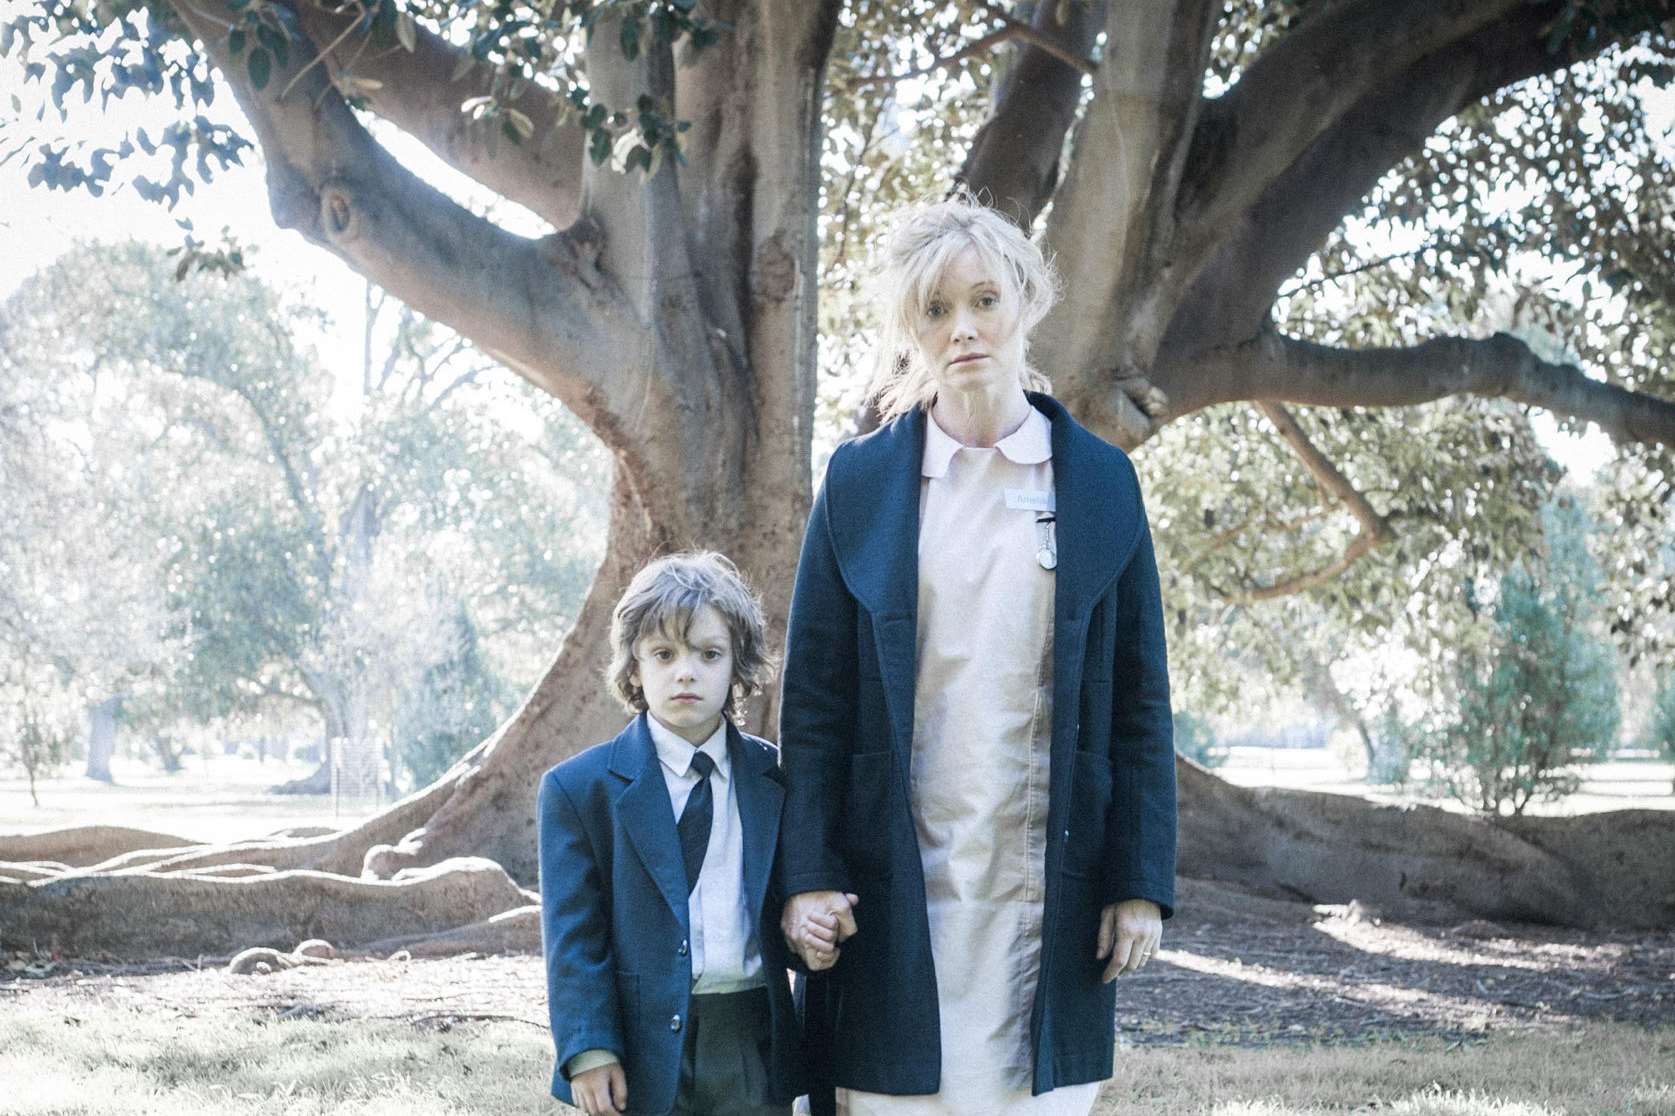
x: 666, y: 980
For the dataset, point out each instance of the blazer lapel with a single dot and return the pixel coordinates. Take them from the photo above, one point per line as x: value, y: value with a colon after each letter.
x: 646, y: 815
x: 760, y: 794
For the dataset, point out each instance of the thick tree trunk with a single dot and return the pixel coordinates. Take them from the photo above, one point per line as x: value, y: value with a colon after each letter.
x: 101, y: 738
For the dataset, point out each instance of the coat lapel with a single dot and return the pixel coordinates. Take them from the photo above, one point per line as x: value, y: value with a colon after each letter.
x: 1095, y: 531
x: 875, y: 527
x: 646, y: 815
x: 760, y: 794
x: 876, y: 536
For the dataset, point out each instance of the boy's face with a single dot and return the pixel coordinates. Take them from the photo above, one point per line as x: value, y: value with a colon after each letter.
x: 686, y: 682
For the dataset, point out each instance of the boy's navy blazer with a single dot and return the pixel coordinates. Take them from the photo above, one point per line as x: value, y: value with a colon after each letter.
x: 614, y: 914
x: 846, y: 733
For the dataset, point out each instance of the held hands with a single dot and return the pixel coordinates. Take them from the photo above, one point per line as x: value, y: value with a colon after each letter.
x: 601, y: 1090
x: 1129, y: 933
x: 814, y: 922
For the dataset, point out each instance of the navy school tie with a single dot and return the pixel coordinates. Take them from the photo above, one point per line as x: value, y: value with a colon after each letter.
x: 694, y: 824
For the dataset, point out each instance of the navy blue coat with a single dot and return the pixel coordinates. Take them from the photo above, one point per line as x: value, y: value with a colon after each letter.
x: 846, y: 727
x: 614, y: 919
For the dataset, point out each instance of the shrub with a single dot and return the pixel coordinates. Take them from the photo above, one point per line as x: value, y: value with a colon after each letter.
x: 1543, y: 691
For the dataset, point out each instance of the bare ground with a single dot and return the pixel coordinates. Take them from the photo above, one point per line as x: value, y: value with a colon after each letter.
x: 1234, y: 969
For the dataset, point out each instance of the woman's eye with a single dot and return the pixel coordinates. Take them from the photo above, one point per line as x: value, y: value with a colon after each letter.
x: 712, y: 655
x: 935, y: 310
x: 988, y: 302
x: 662, y: 654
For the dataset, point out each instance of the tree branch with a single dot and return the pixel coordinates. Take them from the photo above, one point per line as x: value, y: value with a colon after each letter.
x: 541, y: 307
x: 414, y: 93
x: 1374, y: 528
x: 1231, y: 296
x: 1325, y: 474
x: 1113, y: 219
x: 1275, y: 367
x: 1010, y: 29
x: 1014, y: 158
x: 1302, y: 86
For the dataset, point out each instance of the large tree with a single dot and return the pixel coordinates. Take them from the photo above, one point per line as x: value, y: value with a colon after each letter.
x: 1187, y: 162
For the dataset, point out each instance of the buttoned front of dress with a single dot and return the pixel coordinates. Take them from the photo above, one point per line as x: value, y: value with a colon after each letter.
x: 980, y: 764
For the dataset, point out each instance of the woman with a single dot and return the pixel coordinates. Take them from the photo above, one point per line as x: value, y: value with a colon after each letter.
x: 979, y: 831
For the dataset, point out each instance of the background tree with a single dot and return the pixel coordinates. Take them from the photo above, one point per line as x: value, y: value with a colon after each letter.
x: 1544, y: 693
x: 1660, y: 733
x: 311, y: 560
x: 1188, y: 163
x: 84, y: 616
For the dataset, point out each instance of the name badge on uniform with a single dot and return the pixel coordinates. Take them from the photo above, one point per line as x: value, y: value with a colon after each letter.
x: 1024, y: 499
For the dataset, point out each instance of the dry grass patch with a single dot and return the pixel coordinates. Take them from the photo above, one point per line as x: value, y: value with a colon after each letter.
x: 1592, y: 1070
x: 105, y: 1056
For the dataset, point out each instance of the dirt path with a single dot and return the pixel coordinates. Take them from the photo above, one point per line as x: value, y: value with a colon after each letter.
x: 1233, y: 969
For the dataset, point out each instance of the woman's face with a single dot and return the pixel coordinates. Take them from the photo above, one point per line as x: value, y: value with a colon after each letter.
x: 968, y: 333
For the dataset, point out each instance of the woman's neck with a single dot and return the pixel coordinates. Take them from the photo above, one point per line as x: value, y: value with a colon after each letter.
x: 980, y: 418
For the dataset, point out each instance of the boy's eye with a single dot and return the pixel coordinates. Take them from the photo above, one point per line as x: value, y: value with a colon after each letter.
x: 662, y: 654
x: 712, y: 654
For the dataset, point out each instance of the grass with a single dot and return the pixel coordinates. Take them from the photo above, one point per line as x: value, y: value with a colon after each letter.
x: 93, y: 1056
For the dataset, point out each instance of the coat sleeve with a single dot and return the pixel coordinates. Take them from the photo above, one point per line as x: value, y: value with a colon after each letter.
x: 1140, y: 832
x: 582, y: 1003
x: 816, y: 713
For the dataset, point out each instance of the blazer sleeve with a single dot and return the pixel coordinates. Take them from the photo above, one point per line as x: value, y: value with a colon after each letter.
x: 582, y: 1003
x: 816, y: 713
x: 1140, y: 832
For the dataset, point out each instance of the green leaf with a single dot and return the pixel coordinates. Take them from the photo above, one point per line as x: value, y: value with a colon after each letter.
x: 260, y: 66
x: 407, y: 31
x: 235, y: 41
x: 599, y: 148
x: 630, y: 38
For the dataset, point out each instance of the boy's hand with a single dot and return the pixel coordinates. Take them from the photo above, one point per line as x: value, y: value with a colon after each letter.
x: 601, y: 1090
x: 814, y: 922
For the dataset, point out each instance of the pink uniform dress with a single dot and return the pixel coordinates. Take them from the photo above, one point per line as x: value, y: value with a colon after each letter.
x: 982, y: 724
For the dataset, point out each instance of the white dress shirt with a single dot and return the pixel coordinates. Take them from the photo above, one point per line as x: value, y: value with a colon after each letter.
x: 725, y: 954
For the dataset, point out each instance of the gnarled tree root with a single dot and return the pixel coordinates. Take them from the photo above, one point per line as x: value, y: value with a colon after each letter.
x: 85, y: 845
x: 137, y: 915
x: 1613, y: 869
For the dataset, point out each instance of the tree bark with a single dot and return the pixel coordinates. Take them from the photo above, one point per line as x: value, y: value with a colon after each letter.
x: 101, y: 738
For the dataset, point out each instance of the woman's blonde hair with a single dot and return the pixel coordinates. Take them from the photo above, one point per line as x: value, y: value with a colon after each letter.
x: 923, y: 241
x: 664, y: 596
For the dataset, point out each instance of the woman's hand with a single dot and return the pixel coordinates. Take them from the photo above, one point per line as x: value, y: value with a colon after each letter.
x: 1129, y: 933
x: 601, y: 1090
x: 814, y: 922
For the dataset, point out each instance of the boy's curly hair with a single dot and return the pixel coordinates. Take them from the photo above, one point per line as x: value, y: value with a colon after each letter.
x: 663, y: 596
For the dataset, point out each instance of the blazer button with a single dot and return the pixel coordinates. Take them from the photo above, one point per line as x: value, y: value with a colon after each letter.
x: 674, y: 1023
x: 682, y: 949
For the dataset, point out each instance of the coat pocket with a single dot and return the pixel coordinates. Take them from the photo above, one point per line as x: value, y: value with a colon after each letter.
x: 867, y: 824
x: 1090, y: 807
